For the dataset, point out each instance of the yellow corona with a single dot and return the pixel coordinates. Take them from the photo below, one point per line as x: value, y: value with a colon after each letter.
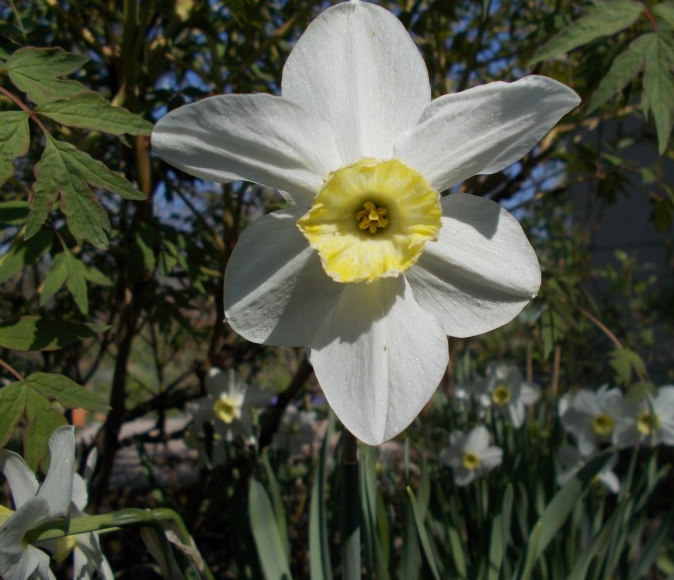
x: 371, y: 220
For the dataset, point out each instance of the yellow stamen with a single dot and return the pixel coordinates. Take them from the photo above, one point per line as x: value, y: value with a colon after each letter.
x: 603, y: 424
x: 372, y: 220
x: 470, y: 461
x: 371, y: 217
x: 501, y: 396
x: 226, y: 409
x: 648, y: 423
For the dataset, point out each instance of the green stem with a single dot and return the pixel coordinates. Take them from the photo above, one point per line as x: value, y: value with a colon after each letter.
x: 127, y: 518
x: 351, y: 560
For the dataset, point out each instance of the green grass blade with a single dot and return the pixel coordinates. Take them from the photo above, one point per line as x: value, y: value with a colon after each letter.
x: 320, y: 566
x: 266, y: 535
x: 423, y: 536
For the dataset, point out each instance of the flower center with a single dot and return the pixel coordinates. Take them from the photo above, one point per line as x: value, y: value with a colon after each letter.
x: 603, y: 424
x: 648, y: 423
x: 372, y: 220
x: 226, y: 409
x: 371, y: 217
x: 470, y: 461
x: 501, y: 396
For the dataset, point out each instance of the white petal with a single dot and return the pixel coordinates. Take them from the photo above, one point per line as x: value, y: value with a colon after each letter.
x: 611, y: 481
x: 378, y: 357
x: 516, y: 413
x: 261, y: 138
x: 80, y: 496
x: 21, y: 480
x: 663, y: 403
x: 17, y: 559
x: 276, y: 291
x: 529, y: 393
x: 463, y: 476
x: 477, y: 440
x: 216, y: 382
x: 484, y: 129
x: 482, y: 270
x: 451, y: 456
x: 491, y: 457
x: 57, y: 486
x: 357, y: 68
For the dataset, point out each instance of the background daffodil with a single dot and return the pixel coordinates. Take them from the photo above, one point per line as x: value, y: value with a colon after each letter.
x: 35, y: 505
x: 371, y: 268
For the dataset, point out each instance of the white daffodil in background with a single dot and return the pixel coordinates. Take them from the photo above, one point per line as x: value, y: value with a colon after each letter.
x: 505, y: 391
x: 651, y: 421
x: 572, y: 461
x: 470, y: 455
x: 297, y: 429
x: 35, y: 505
x: 228, y: 408
x: 593, y: 417
x: 370, y: 268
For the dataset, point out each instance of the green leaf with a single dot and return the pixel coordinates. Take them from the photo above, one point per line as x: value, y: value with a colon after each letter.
x: 69, y: 270
x: 423, y: 535
x: 624, y: 68
x: 604, y: 18
x: 24, y: 252
x: 553, y: 329
x: 558, y: 510
x: 14, y: 140
x: 665, y: 10
x: 42, y: 421
x: 598, y: 546
x: 265, y: 533
x: 66, y: 391
x: 56, y: 278
x: 624, y: 362
x: 277, y: 505
x: 65, y: 172
x: 35, y: 333
x: 319, y: 546
x: 658, y: 95
x: 12, y: 405
x: 91, y: 111
x: 39, y: 71
x: 75, y: 282
x: 96, y: 276
x: 500, y: 534
x: 55, y: 177
x: 13, y: 213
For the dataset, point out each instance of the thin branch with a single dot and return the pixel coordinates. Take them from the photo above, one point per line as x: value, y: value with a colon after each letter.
x: 12, y: 370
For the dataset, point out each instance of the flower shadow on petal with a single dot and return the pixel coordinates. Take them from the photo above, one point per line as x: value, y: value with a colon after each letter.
x: 470, y: 283
x: 483, y: 218
x: 359, y: 307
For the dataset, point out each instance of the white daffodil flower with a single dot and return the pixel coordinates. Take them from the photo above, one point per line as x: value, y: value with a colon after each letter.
x: 62, y: 493
x: 35, y: 505
x: 89, y: 561
x: 297, y: 429
x: 651, y: 421
x: 371, y: 268
x: 228, y: 408
x: 572, y: 461
x: 504, y: 390
x: 470, y: 455
x: 593, y: 417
